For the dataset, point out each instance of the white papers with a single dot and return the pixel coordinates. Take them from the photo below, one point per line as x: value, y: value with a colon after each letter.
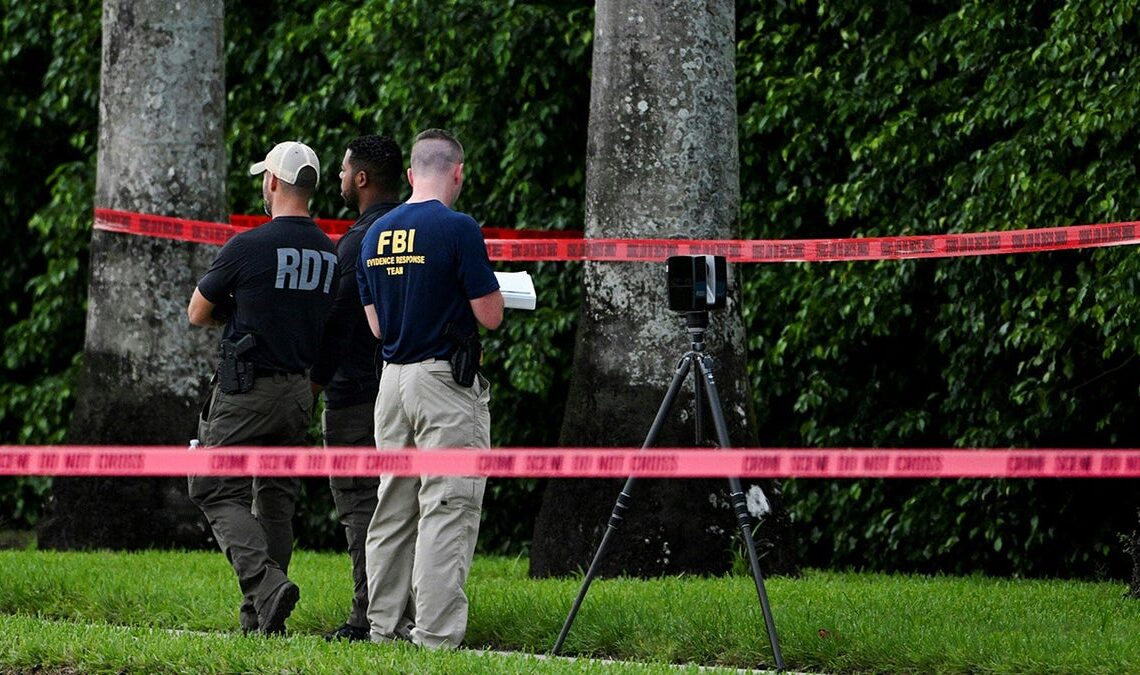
x: 517, y: 288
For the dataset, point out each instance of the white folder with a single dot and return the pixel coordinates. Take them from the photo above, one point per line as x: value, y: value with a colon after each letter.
x: 517, y: 288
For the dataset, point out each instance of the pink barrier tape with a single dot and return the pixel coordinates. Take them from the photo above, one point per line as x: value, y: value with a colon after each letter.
x: 18, y: 460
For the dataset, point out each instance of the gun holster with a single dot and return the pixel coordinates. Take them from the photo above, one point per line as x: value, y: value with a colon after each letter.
x: 235, y: 374
x: 466, y: 357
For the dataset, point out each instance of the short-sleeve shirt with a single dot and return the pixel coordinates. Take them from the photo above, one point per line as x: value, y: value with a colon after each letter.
x: 280, y: 279
x: 420, y: 266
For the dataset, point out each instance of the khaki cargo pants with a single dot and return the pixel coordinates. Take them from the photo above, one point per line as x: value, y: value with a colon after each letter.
x: 422, y: 537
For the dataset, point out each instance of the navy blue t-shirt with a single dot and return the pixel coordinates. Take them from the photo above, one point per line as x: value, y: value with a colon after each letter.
x: 280, y: 279
x: 420, y: 266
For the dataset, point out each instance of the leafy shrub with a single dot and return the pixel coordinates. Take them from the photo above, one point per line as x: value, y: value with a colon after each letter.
x: 856, y: 119
x: 883, y: 119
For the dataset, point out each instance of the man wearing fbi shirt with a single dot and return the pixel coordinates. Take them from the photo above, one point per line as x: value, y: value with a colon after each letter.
x: 271, y: 288
x: 426, y: 285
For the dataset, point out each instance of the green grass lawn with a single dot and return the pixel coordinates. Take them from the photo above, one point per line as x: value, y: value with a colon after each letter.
x: 177, y: 612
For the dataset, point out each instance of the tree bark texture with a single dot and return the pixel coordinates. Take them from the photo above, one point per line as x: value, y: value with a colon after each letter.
x: 662, y: 162
x: 161, y: 151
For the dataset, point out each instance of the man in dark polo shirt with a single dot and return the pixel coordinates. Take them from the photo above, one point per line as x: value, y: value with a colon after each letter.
x: 371, y: 175
x: 271, y: 287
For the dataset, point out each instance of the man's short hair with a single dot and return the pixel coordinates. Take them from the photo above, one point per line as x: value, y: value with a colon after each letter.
x: 304, y: 187
x: 306, y: 180
x: 436, y: 150
x: 379, y: 157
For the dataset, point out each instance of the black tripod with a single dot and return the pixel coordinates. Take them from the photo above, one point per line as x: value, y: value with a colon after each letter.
x: 696, y: 322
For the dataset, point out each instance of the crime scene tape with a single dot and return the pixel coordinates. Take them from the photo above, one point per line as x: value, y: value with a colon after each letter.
x: 203, y: 232
x: 740, y: 251
x: 16, y: 460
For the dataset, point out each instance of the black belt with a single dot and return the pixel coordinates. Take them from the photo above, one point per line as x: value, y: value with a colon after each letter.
x: 270, y: 372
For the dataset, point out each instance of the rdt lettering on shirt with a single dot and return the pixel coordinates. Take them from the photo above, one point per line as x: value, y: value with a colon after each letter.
x: 304, y: 269
x: 394, y: 249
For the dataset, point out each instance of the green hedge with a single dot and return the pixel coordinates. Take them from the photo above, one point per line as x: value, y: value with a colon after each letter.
x: 872, y: 119
x: 856, y: 119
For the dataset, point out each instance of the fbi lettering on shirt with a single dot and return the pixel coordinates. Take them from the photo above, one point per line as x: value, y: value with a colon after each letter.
x: 394, y: 250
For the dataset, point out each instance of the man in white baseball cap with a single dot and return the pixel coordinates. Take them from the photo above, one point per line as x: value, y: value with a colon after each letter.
x: 286, y: 160
x: 270, y: 288
x: 292, y: 162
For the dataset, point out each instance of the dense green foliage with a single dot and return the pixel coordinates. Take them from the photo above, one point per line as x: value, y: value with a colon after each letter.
x: 116, y: 612
x: 324, y: 73
x: 857, y: 119
x: 863, y: 119
x: 47, y: 159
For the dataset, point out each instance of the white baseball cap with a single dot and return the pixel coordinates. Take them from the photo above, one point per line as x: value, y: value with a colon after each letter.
x: 286, y: 160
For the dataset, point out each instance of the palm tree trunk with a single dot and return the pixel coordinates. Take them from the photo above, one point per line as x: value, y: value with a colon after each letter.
x: 161, y: 151
x: 662, y: 162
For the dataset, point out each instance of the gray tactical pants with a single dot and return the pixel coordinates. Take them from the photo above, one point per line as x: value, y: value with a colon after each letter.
x: 252, y: 518
x: 355, y: 497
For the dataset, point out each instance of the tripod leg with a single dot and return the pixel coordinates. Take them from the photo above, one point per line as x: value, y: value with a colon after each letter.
x: 625, y: 497
x: 698, y: 408
x: 740, y: 506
